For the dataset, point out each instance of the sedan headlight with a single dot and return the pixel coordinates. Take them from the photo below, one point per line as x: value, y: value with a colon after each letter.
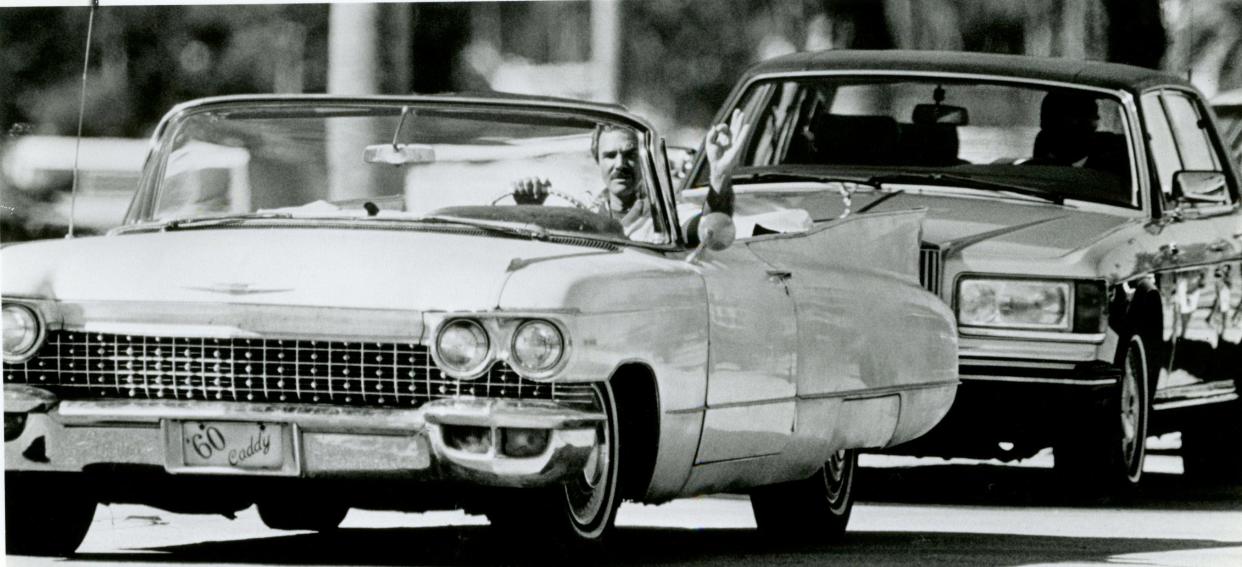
x: 22, y: 331
x: 537, y: 346
x: 1015, y: 304
x: 462, y: 347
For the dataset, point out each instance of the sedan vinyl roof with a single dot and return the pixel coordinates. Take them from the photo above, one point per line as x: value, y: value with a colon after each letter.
x: 1088, y: 73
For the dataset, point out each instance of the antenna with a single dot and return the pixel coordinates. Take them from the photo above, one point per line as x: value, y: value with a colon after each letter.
x: 77, y: 148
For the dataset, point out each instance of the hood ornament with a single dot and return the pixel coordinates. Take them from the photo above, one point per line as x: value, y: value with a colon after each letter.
x: 232, y: 288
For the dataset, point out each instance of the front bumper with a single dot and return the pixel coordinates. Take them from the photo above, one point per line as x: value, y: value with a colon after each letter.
x: 323, y: 441
x: 1010, y: 409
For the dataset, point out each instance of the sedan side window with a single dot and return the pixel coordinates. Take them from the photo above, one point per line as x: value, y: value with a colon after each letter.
x: 1163, y: 149
x: 1192, y: 138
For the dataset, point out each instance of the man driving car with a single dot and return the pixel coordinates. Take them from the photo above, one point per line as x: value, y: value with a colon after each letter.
x: 624, y: 198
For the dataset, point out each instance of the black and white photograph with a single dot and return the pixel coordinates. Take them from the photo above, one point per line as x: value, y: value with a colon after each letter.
x: 621, y: 282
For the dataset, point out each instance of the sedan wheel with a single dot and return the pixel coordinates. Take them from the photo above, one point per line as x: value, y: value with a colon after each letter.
x: 580, y: 511
x: 44, y: 517
x: 1106, y: 455
x: 813, y: 509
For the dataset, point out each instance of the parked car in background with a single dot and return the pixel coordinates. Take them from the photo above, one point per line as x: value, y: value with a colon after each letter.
x: 1082, y: 222
x: 316, y: 303
x: 41, y: 168
x: 1228, y: 107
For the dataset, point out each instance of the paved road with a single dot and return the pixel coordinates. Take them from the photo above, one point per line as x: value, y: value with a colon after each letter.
x: 912, y: 512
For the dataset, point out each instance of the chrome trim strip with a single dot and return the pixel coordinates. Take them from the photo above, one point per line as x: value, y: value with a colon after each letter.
x: 865, y: 393
x: 1025, y: 380
x: 856, y: 394
x: 1177, y: 404
x: 962, y: 365
x: 1054, y: 336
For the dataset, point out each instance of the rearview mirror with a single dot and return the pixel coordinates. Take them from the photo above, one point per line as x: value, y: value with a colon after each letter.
x: 940, y: 114
x: 400, y: 154
x: 1200, y: 188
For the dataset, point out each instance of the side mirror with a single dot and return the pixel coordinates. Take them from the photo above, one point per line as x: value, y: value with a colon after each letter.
x: 1200, y: 188
x: 716, y: 232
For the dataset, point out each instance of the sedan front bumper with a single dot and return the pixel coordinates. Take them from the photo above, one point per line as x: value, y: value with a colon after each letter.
x: 321, y: 441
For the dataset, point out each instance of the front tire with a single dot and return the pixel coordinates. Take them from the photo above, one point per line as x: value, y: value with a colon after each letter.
x: 813, y: 509
x: 1107, y: 455
x: 580, y: 511
x: 45, y: 517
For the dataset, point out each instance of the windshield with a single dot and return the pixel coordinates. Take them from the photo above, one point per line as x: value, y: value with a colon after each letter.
x: 389, y: 162
x: 1066, y: 143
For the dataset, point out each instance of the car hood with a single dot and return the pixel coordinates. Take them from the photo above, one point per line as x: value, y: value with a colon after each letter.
x: 975, y: 227
x: 368, y: 269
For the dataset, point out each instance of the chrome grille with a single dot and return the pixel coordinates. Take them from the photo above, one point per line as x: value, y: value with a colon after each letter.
x: 80, y: 365
x: 929, y: 268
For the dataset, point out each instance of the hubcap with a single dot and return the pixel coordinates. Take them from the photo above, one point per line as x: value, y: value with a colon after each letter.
x: 1132, y: 408
x: 836, y: 481
x: 587, y: 493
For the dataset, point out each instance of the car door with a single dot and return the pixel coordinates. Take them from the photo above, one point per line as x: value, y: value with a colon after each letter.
x: 1196, y: 258
x: 751, y: 357
x: 871, y: 341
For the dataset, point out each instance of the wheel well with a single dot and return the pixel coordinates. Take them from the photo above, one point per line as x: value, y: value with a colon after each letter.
x: 638, y: 411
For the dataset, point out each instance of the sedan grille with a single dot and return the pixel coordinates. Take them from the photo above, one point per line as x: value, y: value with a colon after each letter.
x: 80, y: 365
x: 930, y: 268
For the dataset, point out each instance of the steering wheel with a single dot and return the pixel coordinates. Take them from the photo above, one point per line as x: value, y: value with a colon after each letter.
x: 551, y: 193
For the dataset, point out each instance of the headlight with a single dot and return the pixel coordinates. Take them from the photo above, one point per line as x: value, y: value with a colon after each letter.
x: 1018, y: 304
x: 21, y: 332
x: 462, y: 347
x: 537, y: 346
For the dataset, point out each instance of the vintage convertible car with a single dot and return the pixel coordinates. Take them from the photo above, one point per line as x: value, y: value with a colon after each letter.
x: 1083, y: 223
x: 318, y: 303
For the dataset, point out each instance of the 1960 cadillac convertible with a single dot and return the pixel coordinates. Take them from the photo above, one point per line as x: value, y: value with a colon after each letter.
x: 319, y: 303
x: 1083, y: 223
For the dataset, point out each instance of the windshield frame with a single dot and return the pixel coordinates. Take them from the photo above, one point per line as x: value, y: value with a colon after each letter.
x: 142, y: 207
x: 1135, y: 147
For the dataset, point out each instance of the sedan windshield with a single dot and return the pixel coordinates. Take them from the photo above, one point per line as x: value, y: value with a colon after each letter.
x: 521, y: 171
x: 1047, y: 142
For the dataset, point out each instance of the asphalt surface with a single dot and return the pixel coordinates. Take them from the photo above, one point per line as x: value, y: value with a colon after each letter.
x: 911, y: 511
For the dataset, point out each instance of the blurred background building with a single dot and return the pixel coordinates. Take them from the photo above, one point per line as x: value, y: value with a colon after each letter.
x: 672, y: 61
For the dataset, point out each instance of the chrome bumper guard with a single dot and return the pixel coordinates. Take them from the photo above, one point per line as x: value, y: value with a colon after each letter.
x: 326, y: 441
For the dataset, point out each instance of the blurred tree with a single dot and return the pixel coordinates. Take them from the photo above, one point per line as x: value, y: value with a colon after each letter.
x: 1206, y: 42
x: 147, y: 59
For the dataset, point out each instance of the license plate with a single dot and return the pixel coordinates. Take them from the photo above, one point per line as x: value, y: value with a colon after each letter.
x: 237, y: 445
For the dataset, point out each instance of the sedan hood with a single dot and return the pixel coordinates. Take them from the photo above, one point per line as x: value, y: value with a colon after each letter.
x: 1006, y: 228
x: 366, y: 269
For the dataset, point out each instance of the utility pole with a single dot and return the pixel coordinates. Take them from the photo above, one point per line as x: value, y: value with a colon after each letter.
x: 606, y: 48
x: 353, y: 69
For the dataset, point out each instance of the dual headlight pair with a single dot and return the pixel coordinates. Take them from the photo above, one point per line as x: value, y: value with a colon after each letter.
x: 23, y: 332
x: 1031, y: 304
x: 464, y: 347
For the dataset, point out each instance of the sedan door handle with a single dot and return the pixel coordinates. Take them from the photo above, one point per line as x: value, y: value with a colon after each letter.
x: 779, y: 275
